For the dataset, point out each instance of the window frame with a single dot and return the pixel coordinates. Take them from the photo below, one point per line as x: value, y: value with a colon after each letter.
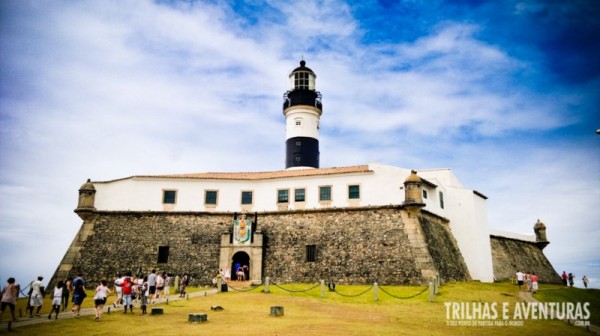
x: 296, y: 190
x: 287, y: 196
x: 164, y: 196
x: 321, y: 193
x: 350, y: 192
x: 251, y: 197
x: 206, y: 191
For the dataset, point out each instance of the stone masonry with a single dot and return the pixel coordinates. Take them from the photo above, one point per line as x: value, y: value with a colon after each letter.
x: 510, y: 255
x: 353, y: 245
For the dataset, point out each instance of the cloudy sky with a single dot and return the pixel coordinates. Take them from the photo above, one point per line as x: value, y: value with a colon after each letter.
x: 504, y: 93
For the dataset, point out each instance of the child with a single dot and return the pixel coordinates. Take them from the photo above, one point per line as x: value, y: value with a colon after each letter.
x: 57, y: 296
x: 144, y: 292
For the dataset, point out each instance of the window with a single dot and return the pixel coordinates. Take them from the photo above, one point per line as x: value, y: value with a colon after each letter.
x: 169, y: 196
x: 301, y: 80
x: 311, y: 253
x: 441, y: 200
x: 210, y: 197
x: 163, y: 254
x: 298, y: 122
x: 298, y: 158
x: 246, y: 197
x: 282, y: 196
x: 298, y: 143
x: 354, y: 192
x: 299, y: 195
x: 424, y: 193
x: 325, y: 193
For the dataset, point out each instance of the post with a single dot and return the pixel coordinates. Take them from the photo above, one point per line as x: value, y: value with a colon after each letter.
x: 219, y: 284
x: 431, y: 297
x: 267, y: 285
x: 322, y: 288
x: 376, y: 291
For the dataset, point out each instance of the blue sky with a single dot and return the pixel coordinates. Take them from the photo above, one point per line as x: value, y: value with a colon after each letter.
x: 505, y: 93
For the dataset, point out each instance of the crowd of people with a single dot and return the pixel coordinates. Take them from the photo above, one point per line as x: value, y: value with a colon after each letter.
x: 128, y: 289
x: 529, y: 282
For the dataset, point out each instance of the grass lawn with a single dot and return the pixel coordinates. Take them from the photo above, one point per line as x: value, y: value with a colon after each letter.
x: 558, y: 293
x: 307, y: 313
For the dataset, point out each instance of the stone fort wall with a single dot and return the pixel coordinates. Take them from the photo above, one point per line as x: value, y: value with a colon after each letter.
x: 354, y: 245
x: 510, y: 255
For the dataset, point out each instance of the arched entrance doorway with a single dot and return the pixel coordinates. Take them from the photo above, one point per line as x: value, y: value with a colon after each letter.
x: 240, y: 259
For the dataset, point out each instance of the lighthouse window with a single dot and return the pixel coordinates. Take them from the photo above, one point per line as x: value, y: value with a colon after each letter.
x: 169, y: 196
x: 301, y: 80
x: 299, y: 195
x: 424, y: 193
x: 282, y: 196
x: 353, y: 192
x: 298, y: 122
x: 298, y: 143
x: 246, y: 197
x: 441, y: 200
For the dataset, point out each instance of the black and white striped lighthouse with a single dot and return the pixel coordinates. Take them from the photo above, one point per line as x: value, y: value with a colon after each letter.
x: 302, y: 109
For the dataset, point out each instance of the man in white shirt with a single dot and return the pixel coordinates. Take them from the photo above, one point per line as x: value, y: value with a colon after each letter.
x: 520, y: 277
x: 37, y: 298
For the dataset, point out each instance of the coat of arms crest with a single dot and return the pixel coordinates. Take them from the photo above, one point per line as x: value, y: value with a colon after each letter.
x: 242, y: 229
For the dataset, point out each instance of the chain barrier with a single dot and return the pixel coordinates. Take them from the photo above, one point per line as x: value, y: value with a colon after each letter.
x: 353, y: 295
x: 239, y: 289
x: 404, y: 297
x: 295, y: 291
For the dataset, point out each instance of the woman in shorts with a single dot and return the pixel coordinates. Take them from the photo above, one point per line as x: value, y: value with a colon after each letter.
x: 100, y: 299
x: 9, y: 298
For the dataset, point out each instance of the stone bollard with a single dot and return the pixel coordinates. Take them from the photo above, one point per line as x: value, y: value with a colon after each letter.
x: 156, y: 311
x: 198, y: 317
x: 177, y: 290
x: 276, y: 311
x: 267, y: 279
x: 431, y: 295
x: 322, y: 288
x: 375, y: 291
x: 437, y: 284
x: 219, y: 284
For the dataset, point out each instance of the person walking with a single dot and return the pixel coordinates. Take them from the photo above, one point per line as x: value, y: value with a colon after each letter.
x: 9, y: 298
x: 78, y: 294
x: 571, y: 279
x: 66, y: 291
x: 100, y: 295
x: 37, y: 296
x: 152, y: 284
x: 585, y: 281
x: 184, y: 282
x: 167, y: 278
x: 57, y: 297
x: 534, y: 282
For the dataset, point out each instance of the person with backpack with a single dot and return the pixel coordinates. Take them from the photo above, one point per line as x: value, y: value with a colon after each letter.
x: 78, y: 294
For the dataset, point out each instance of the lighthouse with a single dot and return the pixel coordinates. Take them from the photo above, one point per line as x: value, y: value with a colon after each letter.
x: 302, y: 109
